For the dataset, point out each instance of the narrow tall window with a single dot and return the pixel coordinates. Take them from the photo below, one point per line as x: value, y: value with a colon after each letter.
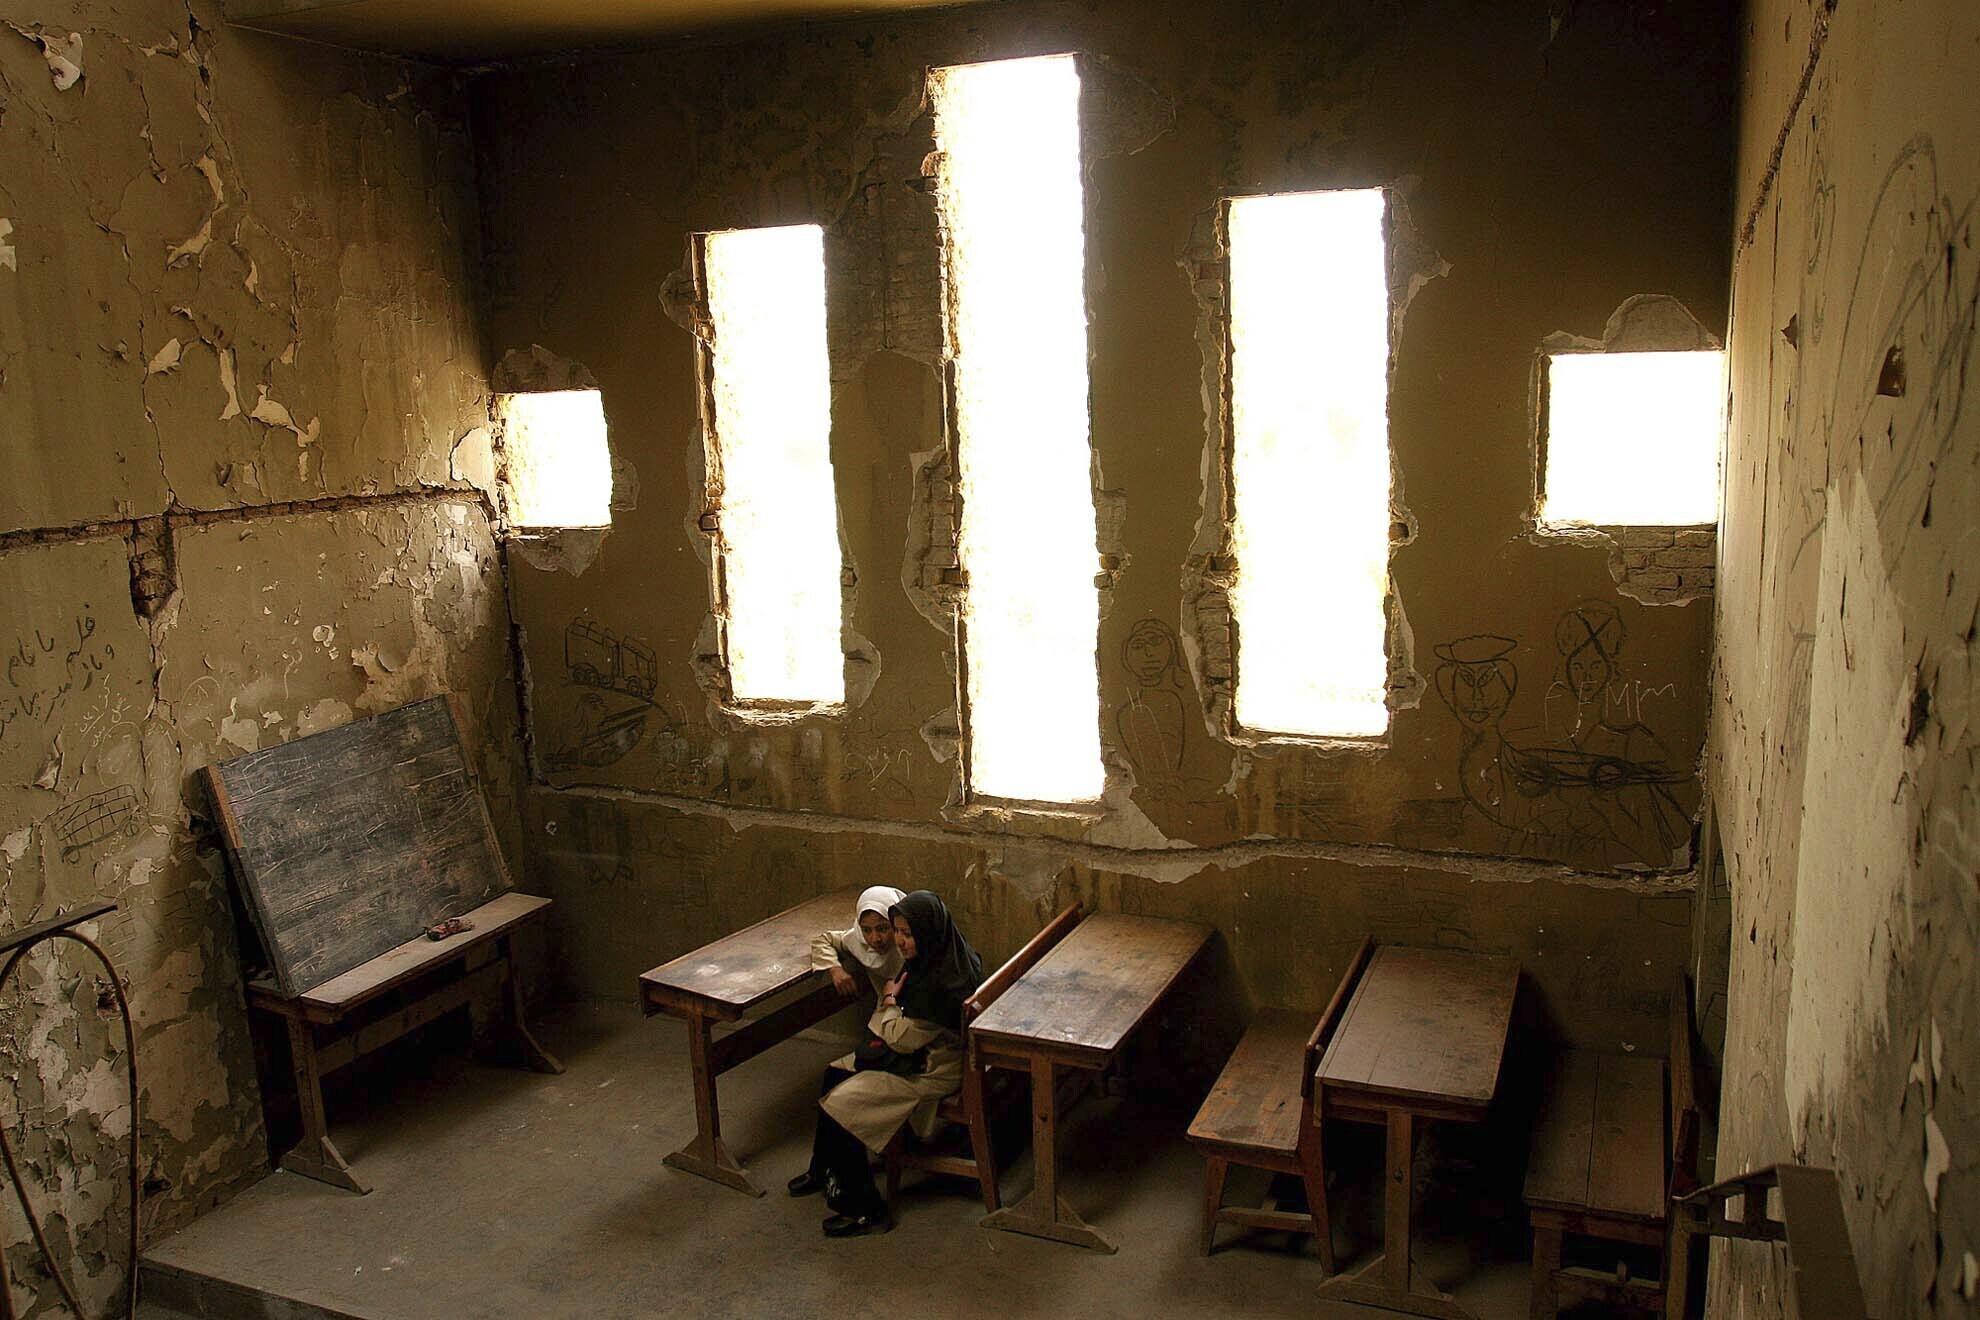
x: 1013, y: 223
x: 556, y: 464
x: 769, y: 383
x: 1309, y: 344
x: 1632, y: 439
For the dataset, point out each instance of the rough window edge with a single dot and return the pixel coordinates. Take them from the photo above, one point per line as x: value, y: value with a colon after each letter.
x: 941, y: 589
x: 568, y: 549
x: 684, y: 299
x: 1209, y: 628
x: 1660, y: 564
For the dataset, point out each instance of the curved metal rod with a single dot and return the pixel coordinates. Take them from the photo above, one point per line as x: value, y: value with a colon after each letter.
x: 7, y: 1150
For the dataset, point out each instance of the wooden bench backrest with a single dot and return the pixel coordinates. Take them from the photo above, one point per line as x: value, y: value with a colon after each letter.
x: 1021, y: 962
x: 1684, y: 1114
x: 1330, y: 1019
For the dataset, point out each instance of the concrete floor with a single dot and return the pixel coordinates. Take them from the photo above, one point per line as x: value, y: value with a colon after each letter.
x: 502, y: 1193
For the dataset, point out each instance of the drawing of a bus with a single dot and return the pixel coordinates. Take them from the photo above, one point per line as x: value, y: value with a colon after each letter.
x: 597, y: 657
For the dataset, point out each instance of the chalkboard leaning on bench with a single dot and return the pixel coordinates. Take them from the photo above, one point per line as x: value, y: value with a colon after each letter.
x: 347, y: 845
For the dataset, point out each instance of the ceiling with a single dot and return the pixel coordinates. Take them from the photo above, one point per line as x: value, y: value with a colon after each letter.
x: 468, y: 30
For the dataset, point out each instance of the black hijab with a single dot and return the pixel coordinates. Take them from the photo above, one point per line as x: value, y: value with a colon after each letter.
x: 944, y: 970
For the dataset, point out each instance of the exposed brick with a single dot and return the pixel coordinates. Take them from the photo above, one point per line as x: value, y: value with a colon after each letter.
x: 1656, y: 577
x: 1685, y: 557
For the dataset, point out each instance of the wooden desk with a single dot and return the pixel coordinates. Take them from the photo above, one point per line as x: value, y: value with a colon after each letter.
x: 719, y: 982
x: 1423, y: 1038
x: 1072, y: 1012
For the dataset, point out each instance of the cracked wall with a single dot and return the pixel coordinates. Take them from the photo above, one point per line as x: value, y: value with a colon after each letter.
x: 654, y: 816
x: 238, y: 348
x: 1842, y: 751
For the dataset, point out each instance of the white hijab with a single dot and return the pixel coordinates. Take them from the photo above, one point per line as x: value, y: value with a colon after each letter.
x: 879, y: 899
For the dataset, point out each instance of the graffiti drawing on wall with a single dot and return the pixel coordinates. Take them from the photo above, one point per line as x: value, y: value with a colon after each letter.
x: 1153, y: 723
x: 43, y: 669
x: 597, y: 657
x: 97, y: 819
x: 617, y: 677
x: 1606, y: 794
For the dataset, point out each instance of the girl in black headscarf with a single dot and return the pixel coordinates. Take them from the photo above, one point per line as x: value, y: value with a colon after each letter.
x: 915, y: 1058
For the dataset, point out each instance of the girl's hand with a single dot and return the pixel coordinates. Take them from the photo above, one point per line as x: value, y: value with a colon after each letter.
x: 842, y: 982
x: 893, y: 989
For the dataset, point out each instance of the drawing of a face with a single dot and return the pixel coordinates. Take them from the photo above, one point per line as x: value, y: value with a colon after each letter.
x: 1588, y: 672
x: 1477, y: 679
x: 1589, y: 637
x: 1149, y: 651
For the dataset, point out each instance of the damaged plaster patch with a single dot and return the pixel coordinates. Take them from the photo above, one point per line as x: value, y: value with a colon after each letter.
x: 1852, y: 907
x: 61, y: 51
x: 9, y: 257
x: 165, y: 359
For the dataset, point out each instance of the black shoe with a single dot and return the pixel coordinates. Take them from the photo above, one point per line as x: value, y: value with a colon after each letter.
x: 806, y: 1184
x: 875, y: 1221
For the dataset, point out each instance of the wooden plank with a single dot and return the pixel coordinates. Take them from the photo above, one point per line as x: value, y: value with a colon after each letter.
x: 394, y: 967
x: 737, y: 971
x: 1090, y: 992
x: 1256, y: 1101
x: 443, y: 1000
x: 348, y: 842
x: 1564, y: 1135
x: 1627, y: 1175
x: 1820, y: 1258
x: 1425, y: 1024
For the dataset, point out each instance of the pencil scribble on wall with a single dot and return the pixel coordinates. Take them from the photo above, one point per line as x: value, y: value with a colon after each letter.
x: 1605, y: 794
x: 97, y: 819
x: 1152, y: 723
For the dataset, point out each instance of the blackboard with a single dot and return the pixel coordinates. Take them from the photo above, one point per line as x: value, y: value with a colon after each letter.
x: 349, y: 842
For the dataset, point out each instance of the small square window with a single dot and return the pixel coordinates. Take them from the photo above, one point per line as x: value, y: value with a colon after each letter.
x: 557, y: 467
x: 1632, y: 439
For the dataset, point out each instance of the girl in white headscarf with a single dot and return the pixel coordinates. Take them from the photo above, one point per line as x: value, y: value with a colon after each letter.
x: 868, y: 945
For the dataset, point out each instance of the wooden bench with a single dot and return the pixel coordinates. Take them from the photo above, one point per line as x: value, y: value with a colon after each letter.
x: 347, y: 845
x: 1260, y: 1114
x: 983, y: 1093
x: 1612, y: 1148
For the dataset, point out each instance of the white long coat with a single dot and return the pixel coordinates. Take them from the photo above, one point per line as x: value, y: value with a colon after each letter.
x: 872, y: 1105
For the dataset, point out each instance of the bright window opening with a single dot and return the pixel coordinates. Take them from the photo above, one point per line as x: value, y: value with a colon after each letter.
x: 1310, y: 462
x: 1012, y: 207
x: 557, y: 469
x: 771, y: 385
x: 1633, y: 438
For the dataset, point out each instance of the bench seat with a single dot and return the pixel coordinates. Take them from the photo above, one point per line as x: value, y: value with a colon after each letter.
x: 1615, y: 1142
x: 1599, y: 1146
x: 1255, y: 1104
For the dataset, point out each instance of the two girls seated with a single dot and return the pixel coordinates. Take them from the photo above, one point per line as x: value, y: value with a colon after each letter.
x: 922, y: 969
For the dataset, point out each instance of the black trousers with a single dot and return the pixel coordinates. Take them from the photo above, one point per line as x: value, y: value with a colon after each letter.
x: 838, y: 1155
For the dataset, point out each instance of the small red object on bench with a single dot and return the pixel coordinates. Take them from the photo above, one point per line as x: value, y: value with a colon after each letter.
x: 451, y: 926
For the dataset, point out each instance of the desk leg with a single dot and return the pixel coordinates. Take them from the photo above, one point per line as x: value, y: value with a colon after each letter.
x: 534, y: 1056
x: 1391, y: 1280
x: 315, y: 1156
x: 1043, y: 1212
x: 707, y: 1156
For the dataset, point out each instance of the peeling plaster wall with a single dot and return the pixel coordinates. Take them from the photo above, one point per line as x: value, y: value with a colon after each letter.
x: 1842, y: 753
x: 1556, y: 159
x: 238, y: 345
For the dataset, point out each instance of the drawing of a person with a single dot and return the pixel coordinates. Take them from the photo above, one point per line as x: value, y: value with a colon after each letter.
x: 1152, y: 722
x: 1477, y: 680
